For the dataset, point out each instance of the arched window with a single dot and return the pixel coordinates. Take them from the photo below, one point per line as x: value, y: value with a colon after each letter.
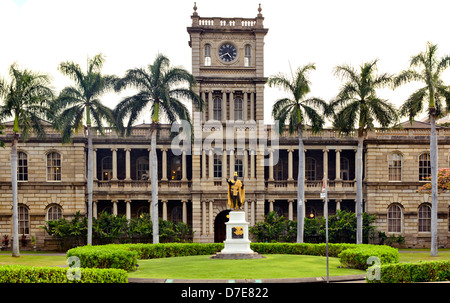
x: 54, y: 212
x: 424, y: 218
x: 107, y: 168
x: 310, y: 169
x: 207, y: 55
x: 217, y: 166
x: 22, y: 166
x: 217, y: 109
x: 142, y: 168
x: 394, y: 219
x: 424, y: 166
x: 395, y: 167
x: 345, y: 169
x: 238, y: 109
x: 53, y: 166
x: 248, y: 56
x: 24, y: 220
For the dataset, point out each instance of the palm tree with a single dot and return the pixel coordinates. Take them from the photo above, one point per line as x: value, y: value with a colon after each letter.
x: 80, y: 103
x: 26, y: 98
x: 297, y: 110
x: 357, y: 107
x: 159, y: 92
x: 434, y: 92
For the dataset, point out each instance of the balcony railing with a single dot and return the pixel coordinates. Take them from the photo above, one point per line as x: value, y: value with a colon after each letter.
x: 312, y: 186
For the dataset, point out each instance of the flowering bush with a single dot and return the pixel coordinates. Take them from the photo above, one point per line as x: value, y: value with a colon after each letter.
x: 443, y: 182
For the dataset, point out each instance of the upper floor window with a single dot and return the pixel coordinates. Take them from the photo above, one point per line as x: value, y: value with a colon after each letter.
x: 248, y: 56
x: 424, y: 167
x: 238, y: 109
x: 239, y: 167
x: 217, y: 166
x: 175, y: 169
x: 395, y: 167
x: 54, y: 212
x: 310, y: 169
x: 217, y: 109
x: 207, y: 55
x: 22, y: 166
x: 345, y: 168
x: 394, y: 219
x: 107, y: 168
x: 424, y: 218
x: 24, y: 220
x: 142, y: 170
x: 53, y: 166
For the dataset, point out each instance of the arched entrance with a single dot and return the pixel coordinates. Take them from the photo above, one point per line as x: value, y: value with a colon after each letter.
x: 220, y: 231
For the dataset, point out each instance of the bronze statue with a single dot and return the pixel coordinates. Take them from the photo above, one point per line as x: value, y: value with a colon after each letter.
x: 236, y: 193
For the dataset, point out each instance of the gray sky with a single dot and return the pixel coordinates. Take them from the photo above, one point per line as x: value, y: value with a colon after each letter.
x: 39, y: 34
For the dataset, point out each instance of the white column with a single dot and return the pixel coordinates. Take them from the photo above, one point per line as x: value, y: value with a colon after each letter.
x: 252, y: 164
x: 338, y: 164
x: 115, y: 207
x: 183, y: 166
x: 252, y: 211
x: 252, y: 106
x: 94, y: 164
x: 210, y: 106
x: 127, y: 164
x: 245, y: 164
x: 211, y: 164
x: 270, y: 164
x: 224, y: 165
x: 231, y: 106
x: 94, y: 209
x: 325, y: 162
x: 128, y: 209
x: 246, y: 210
x: 204, y: 177
x: 291, y: 210
x: 183, y: 202
x: 290, y: 164
x: 164, y: 210
x: 271, y: 205
x: 211, y: 217
x: 114, y: 163
x: 338, y: 204
x: 232, y: 163
x: 164, y: 163
x: 224, y: 105
x: 203, y: 217
x: 244, y: 108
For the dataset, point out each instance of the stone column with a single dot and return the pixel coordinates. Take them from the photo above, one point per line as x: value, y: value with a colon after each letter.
x: 252, y: 164
x: 127, y: 164
x: 183, y: 202
x: 114, y: 163
x: 164, y: 210
x: 164, y: 164
x: 291, y: 210
x: 204, y: 173
x: 203, y: 96
x: 325, y: 163
x: 290, y: 164
x: 252, y: 211
x: 224, y: 106
x: 94, y: 209
x: 128, y: 209
x: 252, y: 106
x: 211, y: 164
x: 231, y: 106
x: 338, y: 164
x: 270, y: 164
x: 210, y: 106
x: 211, y: 222
x: 271, y: 205
x: 232, y: 169
x: 338, y: 204
x: 245, y: 164
x: 224, y: 164
x: 114, y: 202
x: 94, y: 164
x: 183, y: 166
x: 244, y: 108
x: 203, y: 217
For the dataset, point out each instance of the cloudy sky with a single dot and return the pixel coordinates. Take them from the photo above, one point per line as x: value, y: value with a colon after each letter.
x: 39, y: 34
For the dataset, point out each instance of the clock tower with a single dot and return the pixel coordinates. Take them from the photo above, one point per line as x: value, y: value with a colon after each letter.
x: 228, y: 64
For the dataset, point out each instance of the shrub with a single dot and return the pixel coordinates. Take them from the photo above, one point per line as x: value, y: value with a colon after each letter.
x: 424, y: 271
x: 105, y: 256
x: 357, y: 257
x: 46, y: 274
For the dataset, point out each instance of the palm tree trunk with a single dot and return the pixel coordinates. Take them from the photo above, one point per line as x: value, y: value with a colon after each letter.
x: 90, y: 183
x: 359, y: 193
x: 434, y: 173
x: 300, y: 188
x: 154, y: 182
x: 15, y: 217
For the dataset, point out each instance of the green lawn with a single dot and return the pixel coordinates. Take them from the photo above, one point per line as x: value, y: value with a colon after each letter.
x: 443, y: 255
x: 273, y: 266
x: 32, y: 260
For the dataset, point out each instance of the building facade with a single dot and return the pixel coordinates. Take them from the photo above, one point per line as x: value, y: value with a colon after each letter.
x: 229, y: 136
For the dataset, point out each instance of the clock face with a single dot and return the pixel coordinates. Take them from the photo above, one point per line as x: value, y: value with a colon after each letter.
x: 227, y: 52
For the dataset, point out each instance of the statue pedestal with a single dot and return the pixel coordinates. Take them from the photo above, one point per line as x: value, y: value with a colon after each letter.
x: 237, y: 244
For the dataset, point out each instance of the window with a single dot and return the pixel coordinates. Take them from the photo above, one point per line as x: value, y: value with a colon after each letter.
x: 424, y: 167
x: 175, y: 169
x: 217, y: 109
x: 345, y: 169
x: 142, y: 168
x: 395, y: 167
x: 239, y: 167
x: 217, y: 166
x: 53, y: 166
x: 107, y: 168
x: 54, y: 212
x: 424, y: 218
x: 394, y: 219
x: 310, y: 169
x: 177, y: 214
x: 278, y: 170
x: 24, y: 221
x: 207, y: 55
x: 238, y: 109
x: 248, y: 56
x: 22, y: 166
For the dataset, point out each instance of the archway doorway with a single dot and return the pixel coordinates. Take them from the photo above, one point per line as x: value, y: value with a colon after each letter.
x: 220, y: 231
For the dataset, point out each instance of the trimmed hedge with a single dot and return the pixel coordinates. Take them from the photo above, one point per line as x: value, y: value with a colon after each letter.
x: 357, y: 257
x: 47, y: 274
x: 424, y: 271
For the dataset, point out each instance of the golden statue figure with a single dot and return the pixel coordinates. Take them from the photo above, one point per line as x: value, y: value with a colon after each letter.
x: 236, y: 193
